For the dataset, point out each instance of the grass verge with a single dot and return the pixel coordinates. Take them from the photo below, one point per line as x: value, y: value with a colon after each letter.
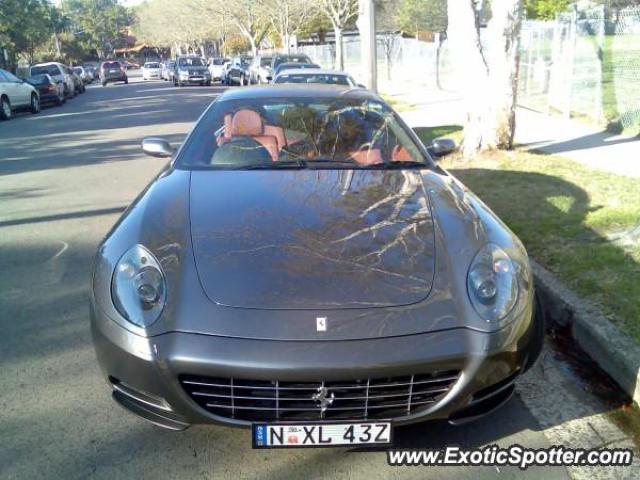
x: 580, y: 223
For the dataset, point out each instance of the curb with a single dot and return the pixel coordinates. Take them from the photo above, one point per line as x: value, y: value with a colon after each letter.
x: 615, y: 352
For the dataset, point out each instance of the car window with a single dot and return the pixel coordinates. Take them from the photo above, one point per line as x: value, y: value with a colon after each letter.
x: 317, y: 132
x: 52, y: 70
x: 328, y: 79
x: 190, y: 62
x: 152, y: 65
x: 11, y: 77
x: 218, y: 61
x: 265, y: 61
x: 38, y: 80
x: 2, y: 77
x: 111, y: 65
x: 291, y: 59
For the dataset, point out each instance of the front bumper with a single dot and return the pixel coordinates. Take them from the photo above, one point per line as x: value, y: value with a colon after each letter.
x: 144, y: 372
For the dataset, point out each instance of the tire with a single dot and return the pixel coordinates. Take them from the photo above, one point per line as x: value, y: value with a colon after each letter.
x: 5, y: 109
x: 104, y: 84
x: 126, y: 80
x: 538, y: 330
x: 60, y: 100
x: 243, y: 81
x: 208, y: 84
x: 35, y: 104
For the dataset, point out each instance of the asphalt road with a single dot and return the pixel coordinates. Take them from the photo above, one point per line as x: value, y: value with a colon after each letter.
x: 65, y: 175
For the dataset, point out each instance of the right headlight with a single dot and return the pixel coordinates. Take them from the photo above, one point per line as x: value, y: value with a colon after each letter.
x: 138, y: 287
x: 495, y: 281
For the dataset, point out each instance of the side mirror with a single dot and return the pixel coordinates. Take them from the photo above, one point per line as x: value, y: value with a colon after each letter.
x: 441, y: 146
x: 157, y: 147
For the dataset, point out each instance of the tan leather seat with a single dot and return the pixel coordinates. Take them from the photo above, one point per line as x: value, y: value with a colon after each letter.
x: 400, y: 154
x: 370, y: 156
x: 248, y: 123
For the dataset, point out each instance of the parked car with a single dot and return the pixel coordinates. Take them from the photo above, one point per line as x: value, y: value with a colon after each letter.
x: 77, y: 80
x: 151, y: 70
x: 303, y: 260
x: 91, y: 70
x: 287, y: 58
x: 16, y: 94
x: 225, y: 70
x: 191, y: 69
x: 112, y: 71
x: 50, y: 91
x: 83, y: 74
x: 59, y: 73
x: 260, y: 69
x: 216, y: 67
x: 238, y: 71
x: 292, y: 65
x: 168, y: 70
x: 309, y: 76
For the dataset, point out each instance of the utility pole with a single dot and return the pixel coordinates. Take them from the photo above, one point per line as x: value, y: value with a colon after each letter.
x: 367, y: 27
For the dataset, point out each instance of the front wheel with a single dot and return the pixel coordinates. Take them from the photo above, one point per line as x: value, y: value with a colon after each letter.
x: 5, y: 109
x: 126, y: 81
x: 242, y: 81
x: 60, y: 99
x: 208, y: 83
x: 35, y: 103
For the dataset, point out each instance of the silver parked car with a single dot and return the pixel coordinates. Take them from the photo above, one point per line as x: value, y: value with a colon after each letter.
x: 16, y: 94
x: 167, y: 70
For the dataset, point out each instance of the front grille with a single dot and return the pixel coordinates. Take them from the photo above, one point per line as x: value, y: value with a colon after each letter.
x: 263, y: 400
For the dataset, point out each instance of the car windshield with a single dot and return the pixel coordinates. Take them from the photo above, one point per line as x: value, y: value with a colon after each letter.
x: 42, y: 69
x: 265, y: 61
x: 218, y: 61
x: 78, y: 70
x: 152, y: 65
x: 291, y: 59
x: 313, y: 133
x: 38, y: 80
x: 111, y: 65
x: 190, y: 62
x: 244, y: 61
x: 314, y: 78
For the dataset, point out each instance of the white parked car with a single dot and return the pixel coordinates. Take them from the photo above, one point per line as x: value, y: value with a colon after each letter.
x: 151, y: 70
x: 59, y: 72
x: 216, y: 68
x: 16, y: 94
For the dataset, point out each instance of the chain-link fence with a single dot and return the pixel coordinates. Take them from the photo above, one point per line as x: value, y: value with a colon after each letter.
x: 584, y: 64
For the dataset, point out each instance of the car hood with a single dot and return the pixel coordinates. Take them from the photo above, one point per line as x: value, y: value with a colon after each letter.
x: 312, y: 239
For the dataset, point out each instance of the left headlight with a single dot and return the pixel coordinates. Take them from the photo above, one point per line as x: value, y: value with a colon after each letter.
x: 494, y: 282
x: 138, y: 287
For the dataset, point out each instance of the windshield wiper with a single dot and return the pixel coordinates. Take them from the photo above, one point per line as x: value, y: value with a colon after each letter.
x: 397, y: 165
x: 281, y: 164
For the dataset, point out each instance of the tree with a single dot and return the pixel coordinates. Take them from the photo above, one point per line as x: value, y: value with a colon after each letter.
x: 25, y: 25
x: 415, y: 16
x: 287, y: 18
x: 249, y: 18
x: 339, y: 13
x: 545, y: 9
x: 488, y: 76
x: 99, y: 24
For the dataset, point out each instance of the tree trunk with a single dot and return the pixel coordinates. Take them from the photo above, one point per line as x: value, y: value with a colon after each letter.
x: 339, y: 63
x: 490, y: 97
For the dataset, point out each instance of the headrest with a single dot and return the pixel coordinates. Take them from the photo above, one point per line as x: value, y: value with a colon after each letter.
x: 246, y: 122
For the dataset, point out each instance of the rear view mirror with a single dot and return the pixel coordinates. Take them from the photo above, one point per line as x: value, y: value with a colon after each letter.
x: 157, y: 147
x: 441, y: 146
